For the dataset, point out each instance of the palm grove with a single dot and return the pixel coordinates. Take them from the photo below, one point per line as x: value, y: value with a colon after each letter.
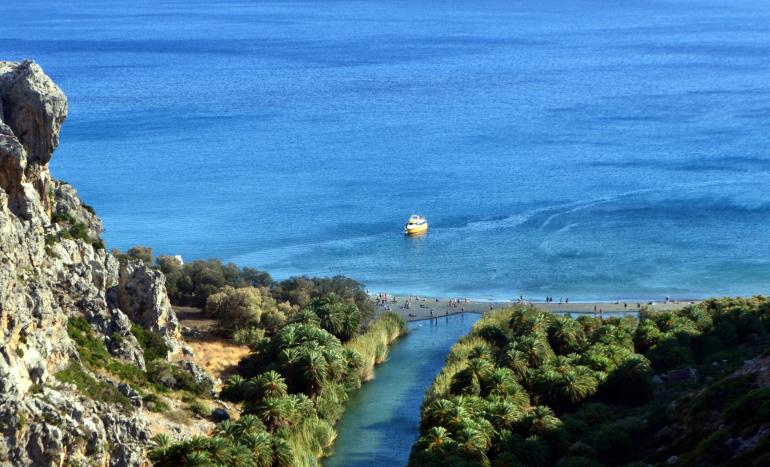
x: 312, y: 341
x: 537, y: 389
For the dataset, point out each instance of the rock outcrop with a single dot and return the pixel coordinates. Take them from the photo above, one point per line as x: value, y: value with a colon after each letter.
x: 53, y: 268
x: 142, y: 295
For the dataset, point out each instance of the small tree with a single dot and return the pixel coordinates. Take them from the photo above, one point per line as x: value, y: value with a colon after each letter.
x: 143, y: 253
x: 246, y: 307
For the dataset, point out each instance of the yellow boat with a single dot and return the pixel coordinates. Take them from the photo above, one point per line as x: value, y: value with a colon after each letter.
x: 416, y: 225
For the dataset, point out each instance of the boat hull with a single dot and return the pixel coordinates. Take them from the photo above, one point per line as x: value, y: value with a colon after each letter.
x: 419, y: 230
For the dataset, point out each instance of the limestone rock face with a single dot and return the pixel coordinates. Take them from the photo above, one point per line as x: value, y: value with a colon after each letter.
x: 56, y: 427
x: 142, y: 295
x: 48, y: 275
x: 67, y: 202
x: 33, y: 107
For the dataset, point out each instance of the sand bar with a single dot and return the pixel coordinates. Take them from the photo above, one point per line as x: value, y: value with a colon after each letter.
x: 420, y: 308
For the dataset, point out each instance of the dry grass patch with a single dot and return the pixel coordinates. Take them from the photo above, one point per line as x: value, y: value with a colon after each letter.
x: 219, y: 357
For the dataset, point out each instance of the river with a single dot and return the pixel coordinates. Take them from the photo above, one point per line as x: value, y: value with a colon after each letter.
x: 381, y: 420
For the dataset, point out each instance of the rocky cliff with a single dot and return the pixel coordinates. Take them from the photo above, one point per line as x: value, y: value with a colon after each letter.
x: 53, y: 270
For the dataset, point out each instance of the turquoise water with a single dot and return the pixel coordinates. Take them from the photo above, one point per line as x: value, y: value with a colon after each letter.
x: 381, y: 420
x: 585, y: 149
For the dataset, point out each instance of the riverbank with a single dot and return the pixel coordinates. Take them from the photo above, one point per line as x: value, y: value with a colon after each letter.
x: 420, y: 308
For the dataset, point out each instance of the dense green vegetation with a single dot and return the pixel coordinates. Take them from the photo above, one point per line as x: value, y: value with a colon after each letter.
x: 192, y: 283
x: 293, y: 387
x: 532, y: 388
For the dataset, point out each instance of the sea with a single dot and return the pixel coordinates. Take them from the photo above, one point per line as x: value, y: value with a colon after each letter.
x: 590, y: 149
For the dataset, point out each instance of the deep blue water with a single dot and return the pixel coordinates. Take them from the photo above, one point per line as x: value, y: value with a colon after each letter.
x: 589, y: 149
x: 382, y: 419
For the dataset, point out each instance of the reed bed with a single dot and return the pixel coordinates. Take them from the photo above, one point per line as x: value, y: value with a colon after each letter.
x: 373, y: 345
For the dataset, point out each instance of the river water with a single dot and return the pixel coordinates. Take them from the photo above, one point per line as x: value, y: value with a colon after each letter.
x: 381, y: 420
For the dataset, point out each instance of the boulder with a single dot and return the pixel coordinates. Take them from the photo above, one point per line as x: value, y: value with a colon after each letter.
x: 220, y: 415
x: 199, y: 374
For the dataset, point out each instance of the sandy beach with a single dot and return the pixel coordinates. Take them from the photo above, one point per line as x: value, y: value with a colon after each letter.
x: 420, y: 308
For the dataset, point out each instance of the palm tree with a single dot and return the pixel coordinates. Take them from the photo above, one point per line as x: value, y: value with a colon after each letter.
x: 481, y: 368
x: 302, y: 406
x: 337, y: 365
x: 249, y: 423
x: 161, y: 449
x: 197, y: 459
x: 456, y: 418
x: 504, y: 414
x: 313, y: 370
x: 566, y: 336
x: 288, y: 357
x: 574, y: 386
x: 518, y: 362
x: 261, y: 447
x: 465, y: 382
x: 474, y: 443
x: 481, y: 352
x: 274, y: 412
x: 228, y: 429
x: 233, y: 389
x: 330, y: 313
x: 271, y: 384
x: 437, y: 413
x: 306, y: 316
x: 219, y: 451
x: 542, y: 421
x: 536, y: 349
x: 500, y: 382
x: 287, y: 337
x: 438, y: 440
x: 630, y: 382
x: 282, y: 453
x: 351, y: 322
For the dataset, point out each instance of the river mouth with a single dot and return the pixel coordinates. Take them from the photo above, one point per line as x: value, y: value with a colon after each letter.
x: 381, y: 420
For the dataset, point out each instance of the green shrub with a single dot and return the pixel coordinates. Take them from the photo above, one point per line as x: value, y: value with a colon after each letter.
x: 153, y: 345
x: 199, y: 408
x: 58, y: 218
x: 91, y: 387
x: 94, y: 354
x: 142, y: 253
x: 153, y: 403
x: 79, y: 231
x: 91, y: 349
x: 173, y: 377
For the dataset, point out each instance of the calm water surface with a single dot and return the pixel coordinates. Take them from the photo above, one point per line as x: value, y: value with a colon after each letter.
x: 381, y: 420
x: 589, y: 149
